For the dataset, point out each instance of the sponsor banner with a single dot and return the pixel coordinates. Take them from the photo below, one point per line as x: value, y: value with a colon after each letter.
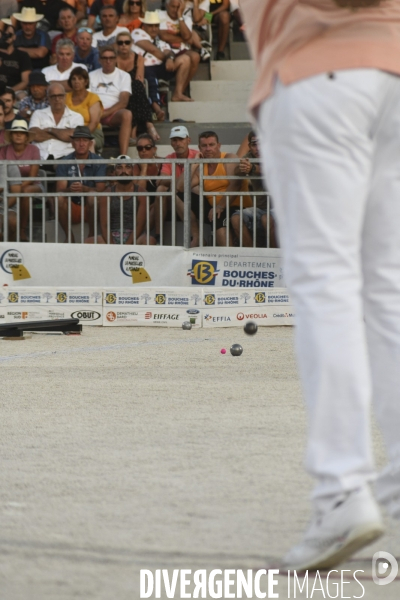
x: 239, y: 268
x: 83, y: 265
x: 266, y: 316
x: 87, y: 315
x: 50, y: 296
x: 117, y: 266
x: 249, y: 297
x: 153, y: 297
x: 159, y: 316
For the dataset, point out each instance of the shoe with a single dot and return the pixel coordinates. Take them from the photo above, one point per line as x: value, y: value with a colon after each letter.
x: 220, y: 56
x: 351, y: 524
x: 206, y: 44
x: 204, y: 55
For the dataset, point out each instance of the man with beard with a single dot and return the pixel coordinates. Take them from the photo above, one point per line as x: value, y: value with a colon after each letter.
x: 15, y: 65
x: 8, y: 97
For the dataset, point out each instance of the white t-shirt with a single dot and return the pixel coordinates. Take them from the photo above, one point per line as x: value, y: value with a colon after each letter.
x: 99, y: 39
x: 44, y: 118
x: 173, y: 26
x: 109, y: 86
x: 53, y: 74
x: 204, y: 5
x: 139, y: 35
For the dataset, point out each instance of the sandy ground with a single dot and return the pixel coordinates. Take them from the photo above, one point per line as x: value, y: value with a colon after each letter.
x: 132, y: 448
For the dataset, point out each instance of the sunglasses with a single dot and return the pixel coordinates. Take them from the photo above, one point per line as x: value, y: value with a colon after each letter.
x: 146, y: 147
x: 85, y: 29
x: 124, y: 42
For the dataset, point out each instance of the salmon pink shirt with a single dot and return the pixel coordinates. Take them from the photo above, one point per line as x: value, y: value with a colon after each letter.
x: 295, y: 39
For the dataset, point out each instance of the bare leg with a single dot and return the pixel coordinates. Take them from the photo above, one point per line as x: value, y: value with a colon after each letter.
x: 123, y: 120
x: 152, y: 131
x: 194, y: 65
x: 247, y: 240
x: 221, y: 237
x: 194, y: 224
x: 160, y: 114
x: 223, y: 19
x: 63, y: 218
x: 24, y: 208
x: 182, y: 68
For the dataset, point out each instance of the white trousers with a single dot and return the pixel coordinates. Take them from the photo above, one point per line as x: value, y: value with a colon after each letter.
x: 331, y: 156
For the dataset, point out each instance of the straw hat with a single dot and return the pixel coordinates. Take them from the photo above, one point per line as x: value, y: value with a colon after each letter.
x: 7, y: 21
x: 28, y: 15
x: 150, y: 18
x: 18, y: 125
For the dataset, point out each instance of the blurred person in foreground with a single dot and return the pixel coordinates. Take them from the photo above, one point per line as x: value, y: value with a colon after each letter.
x: 327, y: 104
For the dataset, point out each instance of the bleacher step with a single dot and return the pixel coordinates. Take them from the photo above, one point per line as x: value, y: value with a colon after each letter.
x: 209, y: 111
x: 233, y: 70
x: 220, y: 91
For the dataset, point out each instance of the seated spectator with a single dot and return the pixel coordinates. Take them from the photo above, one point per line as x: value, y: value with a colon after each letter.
x: 67, y: 20
x: 133, y: 63
x: 221, y: 16
x: 161, y: 62
x: 15, y: 65
x: 131, y: 204
x: 9, y: 99
x: 13, y: 188
x: 113, y: 87
x: 132, y: 11
x: 259, y: 212
x: 81, y: 140
x: 109, y: 20
x: 37, y: 99
x: 210, y: 147
x: 2, y: 128
x: 197, y: 10
x: 180, y: 141
x: 50, y: 10
x: 19, y: 149
x: 61, y: 71
x: 177, y: 30
x: 31, y: 40
x: 79, y: 7
x: 147, y: 150
x: 87, y: 104
x: 53, y: 126
x: 85, y: 54
x: 97, y: 5
x: 7, y: 7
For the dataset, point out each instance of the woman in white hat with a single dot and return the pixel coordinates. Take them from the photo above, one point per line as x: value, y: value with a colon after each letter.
x: 19, y: 149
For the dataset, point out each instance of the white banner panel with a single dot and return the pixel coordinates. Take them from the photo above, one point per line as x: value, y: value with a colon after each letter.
x: 265, y: 316
x: 259, y: 268
x: 151, y: 317
x: 41, y: 304
x: 82, y: 265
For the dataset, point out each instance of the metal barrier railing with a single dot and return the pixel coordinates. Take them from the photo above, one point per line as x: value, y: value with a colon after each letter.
x: 100, y: 212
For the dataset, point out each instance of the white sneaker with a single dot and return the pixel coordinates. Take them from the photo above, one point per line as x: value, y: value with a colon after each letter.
x: 204, y: 55
x: 335, y: 535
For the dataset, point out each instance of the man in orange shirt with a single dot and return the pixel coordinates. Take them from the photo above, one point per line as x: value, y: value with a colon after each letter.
x: 327, y: 103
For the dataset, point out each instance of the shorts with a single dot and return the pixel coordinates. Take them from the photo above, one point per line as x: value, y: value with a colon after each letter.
x: 221, y: 221
x: 116, y: 235
x: 106, y: 120
x: 195, y: 206
x: 76, y: 211
x: 248, y: 217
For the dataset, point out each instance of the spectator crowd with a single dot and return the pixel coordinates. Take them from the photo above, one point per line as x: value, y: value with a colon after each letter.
x: 71, y: 68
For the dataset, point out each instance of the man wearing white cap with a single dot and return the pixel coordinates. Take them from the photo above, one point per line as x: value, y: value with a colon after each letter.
x: 180, y: 141
x: 160, y: 62
x: 29, y: 39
